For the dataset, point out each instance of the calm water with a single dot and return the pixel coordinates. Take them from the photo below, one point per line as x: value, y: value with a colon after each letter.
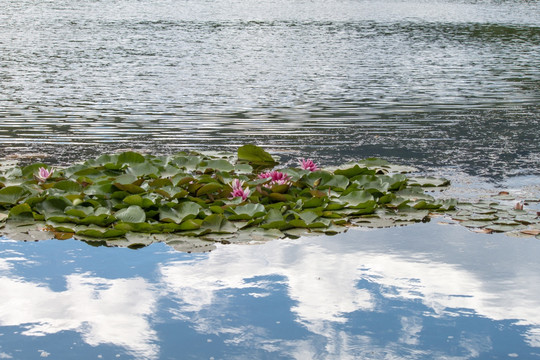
x: 450, y: 86
x: 420, y: 292
x: 453, y: 83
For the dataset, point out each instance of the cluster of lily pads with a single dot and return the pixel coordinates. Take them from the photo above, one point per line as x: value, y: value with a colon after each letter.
x: 194, y: 199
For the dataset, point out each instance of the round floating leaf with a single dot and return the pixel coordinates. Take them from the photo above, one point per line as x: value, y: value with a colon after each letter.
x: 243, y: 169
x: 134, y: 200
x: 255, y: 155
x: 185, y: 211
x: 308, y: 216
x: 126, y: 179
x: 132, y: 214
x: 475, y: 223
x: 247, y: 212
x: 358, y: 198
x: 95, y: 233
x: 130, y: 188
x: 79, y: 211
x: 354, y: 171
x: 130, y: 158
x: 504, y: 228
x: 137, y: 227
x: 218, y: 224
x: 161, y: 183
x: 428, y: 181
x: 220, y: 165
x: 10, y: 195
x: 188, y: 210
x: 98, y: 219
x: 21, y: 212
x: 142, y: 169
x: 53, y: 206
x: 13, y: 173
x: 30, y: 170
x: 414, y: 194
x: 209, y: 188
x: 422, y: 205
x: 89, y: 172
x: 191, y: 224
x: 313, y: 202
x: 189, y: 162
x: 68, y: 186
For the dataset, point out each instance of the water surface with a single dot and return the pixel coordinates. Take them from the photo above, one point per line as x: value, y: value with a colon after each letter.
x: 426, y: 82
x: 420, y: 292
x: 450, y: 86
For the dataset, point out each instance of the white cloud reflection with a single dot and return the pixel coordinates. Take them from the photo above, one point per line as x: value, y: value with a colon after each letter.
x: 104, y: 311
x: 323, y: 278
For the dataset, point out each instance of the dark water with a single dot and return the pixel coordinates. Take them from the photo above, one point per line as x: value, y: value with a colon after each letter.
x: 450, y: 86
x: 433, y: 83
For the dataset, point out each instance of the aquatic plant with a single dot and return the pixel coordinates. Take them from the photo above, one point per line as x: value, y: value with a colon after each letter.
x: 276, y: 177
x: 130, y: 199
x: 43, y: 174
x: 308, y: 164
x: 238, y: 190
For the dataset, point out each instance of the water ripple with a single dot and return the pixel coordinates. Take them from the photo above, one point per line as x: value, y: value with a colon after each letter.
x: 432, y: 83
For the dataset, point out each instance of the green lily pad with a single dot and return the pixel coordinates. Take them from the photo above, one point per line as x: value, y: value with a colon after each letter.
x: 11, y: 195
x: 68, y: 186
x: 21, y: 212
x: 428, y: 181
x: 357, y: 198
x: 187, y: 194
x: 219, y: 164
x: 132, y: 214
x: 218, y: 224
x: 255, y: 155
x: 142, y: 169
x: 247, y: 212
x: 130, y: 158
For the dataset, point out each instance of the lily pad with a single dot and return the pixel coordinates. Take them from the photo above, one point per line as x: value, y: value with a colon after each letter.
x: 255, y: 155
x: 132, y: 214
x: 11, y: 195
x: 189, y: 194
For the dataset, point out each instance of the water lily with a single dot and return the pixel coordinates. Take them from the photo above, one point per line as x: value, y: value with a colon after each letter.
x: 43, y: 174
x: 308, y: 164
x: 276, y: 177
x: 238, y: 190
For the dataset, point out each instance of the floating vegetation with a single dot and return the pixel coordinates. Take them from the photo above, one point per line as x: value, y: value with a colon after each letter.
x: 192, y: 200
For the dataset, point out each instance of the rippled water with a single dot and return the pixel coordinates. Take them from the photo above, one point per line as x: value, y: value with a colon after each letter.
x: 450, y: 86
x: 426, y: 82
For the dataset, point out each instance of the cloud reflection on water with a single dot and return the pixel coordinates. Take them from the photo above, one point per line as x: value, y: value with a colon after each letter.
x: 327, y: 284
x: 103, y: 311
x: 364, y: 294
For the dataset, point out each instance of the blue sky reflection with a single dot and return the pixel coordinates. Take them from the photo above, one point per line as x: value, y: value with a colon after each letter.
x: 409, y: 293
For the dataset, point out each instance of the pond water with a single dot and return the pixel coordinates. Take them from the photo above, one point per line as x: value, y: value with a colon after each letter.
x: 419, y: 292
x: 452, y: 87
x: 453, y: 83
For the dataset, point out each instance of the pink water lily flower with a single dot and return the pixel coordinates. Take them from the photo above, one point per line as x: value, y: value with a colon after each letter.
x: 276, y: 177
x: 238, y: 190
x: 308, y: 164
x: 43, y: 174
